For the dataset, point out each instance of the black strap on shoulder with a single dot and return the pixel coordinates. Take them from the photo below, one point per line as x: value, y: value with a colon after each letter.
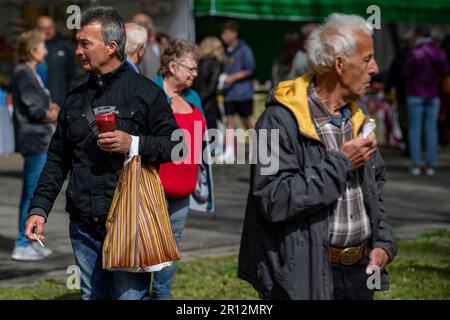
x: 90, y: 117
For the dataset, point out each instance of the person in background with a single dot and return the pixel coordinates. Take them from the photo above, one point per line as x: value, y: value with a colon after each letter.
x: 163, y: 40
x: 34, y: 117
x: 239, y: 67
x: 396, y: 80
x: 58, y: 71
x: 209, y: 70
x: 282, y: 66
x: 150, y: 65
x: 136, y: 44
x: 300, y: 62
x: 425, y: 66
x: 176, y: 76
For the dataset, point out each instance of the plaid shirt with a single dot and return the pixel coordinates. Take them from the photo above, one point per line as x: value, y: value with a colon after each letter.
x: 349, y: 223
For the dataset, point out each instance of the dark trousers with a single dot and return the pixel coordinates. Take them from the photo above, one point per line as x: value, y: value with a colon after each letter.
x: 350, y: 282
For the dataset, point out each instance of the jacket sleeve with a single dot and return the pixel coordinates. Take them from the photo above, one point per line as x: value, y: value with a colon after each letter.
x: 294, y: 191
x: 36, y: 103
x: 54, y: 172
x: 156, y: 146
x: 386, y: 238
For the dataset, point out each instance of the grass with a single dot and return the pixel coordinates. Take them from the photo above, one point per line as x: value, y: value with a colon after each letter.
x: 420, y: 271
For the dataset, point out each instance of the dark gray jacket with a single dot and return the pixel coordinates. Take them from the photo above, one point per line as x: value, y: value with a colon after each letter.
x: 30, y: 106
x: 284, y: 247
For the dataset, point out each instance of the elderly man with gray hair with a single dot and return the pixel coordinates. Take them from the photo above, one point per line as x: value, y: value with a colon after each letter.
x: 317, y: 228
x: 136, y: 44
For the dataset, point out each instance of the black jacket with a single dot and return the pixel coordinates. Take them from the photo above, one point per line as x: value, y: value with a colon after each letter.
x: 30, y: 106
x: 62, y: 69
x: 284, y: 249
x: 206, y: 82
x: 142, y: 111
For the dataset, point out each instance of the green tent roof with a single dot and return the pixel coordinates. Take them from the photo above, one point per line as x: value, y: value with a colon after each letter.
x: 430, y: 11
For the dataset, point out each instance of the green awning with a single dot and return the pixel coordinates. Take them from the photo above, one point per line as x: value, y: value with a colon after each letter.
x: 426, y: 11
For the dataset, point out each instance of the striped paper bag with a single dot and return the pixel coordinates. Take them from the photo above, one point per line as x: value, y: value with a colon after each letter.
x: 139, y: 237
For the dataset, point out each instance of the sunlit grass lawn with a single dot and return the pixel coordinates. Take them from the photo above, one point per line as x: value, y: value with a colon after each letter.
x: 420, y: 271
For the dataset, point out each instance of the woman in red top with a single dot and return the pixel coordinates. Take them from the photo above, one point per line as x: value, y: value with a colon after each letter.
x: 176, y: 75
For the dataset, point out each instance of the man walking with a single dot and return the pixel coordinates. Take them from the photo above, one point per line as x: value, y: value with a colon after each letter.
x: 144, y: 125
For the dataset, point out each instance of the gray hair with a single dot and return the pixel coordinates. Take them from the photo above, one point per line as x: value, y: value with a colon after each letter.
x: 136, y: 35
x: 112, y: 26
x: 177, y: 49
x: 335, y: 36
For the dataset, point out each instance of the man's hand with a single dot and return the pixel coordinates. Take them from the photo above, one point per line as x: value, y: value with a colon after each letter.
x: 34, y: 221
x: 115, y: 141
x: 359, y: 150
x: 378, y: 257
x: 55, y: 106
x: 51, y: 115
x: 229, y: 80
x: 237, y: 76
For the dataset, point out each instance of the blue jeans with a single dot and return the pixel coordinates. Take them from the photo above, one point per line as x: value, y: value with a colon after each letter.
x: 426, y: 110
x: 95, y: 282
x: 32, y: 167
x: 162, y: 281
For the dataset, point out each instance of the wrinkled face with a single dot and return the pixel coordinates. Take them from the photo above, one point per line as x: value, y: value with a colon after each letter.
x: 47, y: 26
x: 38, y: 54
x: 357, y: 70
x: 92, y: 51
x: 184, y: 70
x: 228, y: 36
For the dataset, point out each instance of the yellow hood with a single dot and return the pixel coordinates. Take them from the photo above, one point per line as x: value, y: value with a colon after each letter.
x: 292, y: 94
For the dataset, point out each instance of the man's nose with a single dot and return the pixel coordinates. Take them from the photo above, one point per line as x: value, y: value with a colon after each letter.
x: 373, y: 68
x: 78, y: 51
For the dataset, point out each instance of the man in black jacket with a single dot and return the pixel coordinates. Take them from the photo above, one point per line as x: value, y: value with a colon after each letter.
x: 317, y: 228
x: 59, y: 71
x: 144, y: 124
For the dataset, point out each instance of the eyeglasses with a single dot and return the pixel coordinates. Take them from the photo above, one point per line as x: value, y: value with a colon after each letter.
x: 189, y: 69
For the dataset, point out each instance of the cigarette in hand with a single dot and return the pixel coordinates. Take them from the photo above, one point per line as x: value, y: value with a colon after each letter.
x: 40, y: 242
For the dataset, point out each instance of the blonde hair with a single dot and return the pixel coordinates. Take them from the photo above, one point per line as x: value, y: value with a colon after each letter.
x: 212, y: 47
x: 27, y: 42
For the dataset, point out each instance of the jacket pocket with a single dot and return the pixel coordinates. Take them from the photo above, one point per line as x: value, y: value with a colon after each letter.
x: 294, y: 272
x: 130, y: 119
x: 77, y: 125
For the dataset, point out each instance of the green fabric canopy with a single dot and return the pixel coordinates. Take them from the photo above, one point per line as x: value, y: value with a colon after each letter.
x: 429, y: 11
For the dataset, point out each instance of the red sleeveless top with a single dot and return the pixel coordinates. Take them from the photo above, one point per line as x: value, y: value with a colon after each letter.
x: 179, y: 178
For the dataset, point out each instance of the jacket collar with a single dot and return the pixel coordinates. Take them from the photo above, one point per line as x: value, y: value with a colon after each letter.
x: 293, y: 95
x: 104, y: 80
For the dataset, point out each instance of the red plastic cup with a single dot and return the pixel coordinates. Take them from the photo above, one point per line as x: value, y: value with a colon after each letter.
x: 105, y: 118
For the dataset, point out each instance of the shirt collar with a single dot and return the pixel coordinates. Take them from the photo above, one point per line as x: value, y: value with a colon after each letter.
x: 133, y: 66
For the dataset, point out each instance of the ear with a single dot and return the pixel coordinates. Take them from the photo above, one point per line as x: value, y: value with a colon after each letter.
x: 172, y: 66
x: 140, y: 48
x: 112, y: 47
x: 339, y: 64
